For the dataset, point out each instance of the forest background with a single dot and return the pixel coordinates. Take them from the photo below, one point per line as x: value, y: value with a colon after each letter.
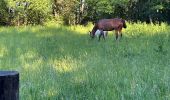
x: 71, y: 12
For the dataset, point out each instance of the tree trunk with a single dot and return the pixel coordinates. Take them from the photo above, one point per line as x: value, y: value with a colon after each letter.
x: 81, y: 10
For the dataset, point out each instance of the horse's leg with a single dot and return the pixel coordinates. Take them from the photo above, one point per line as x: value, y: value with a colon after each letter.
x: 120, y: 32
x: 117, y: 34
x: 121, y: 35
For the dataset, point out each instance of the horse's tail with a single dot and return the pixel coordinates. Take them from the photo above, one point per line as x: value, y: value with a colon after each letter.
x: 124, y: 23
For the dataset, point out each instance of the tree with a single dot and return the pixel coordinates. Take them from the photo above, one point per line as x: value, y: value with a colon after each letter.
x: 104, y: 9
x: 29, y: 11
x: 3, y: 13
x: 23, y: 12
x: 66, y: 10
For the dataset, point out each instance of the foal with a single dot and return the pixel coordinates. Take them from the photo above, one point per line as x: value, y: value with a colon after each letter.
x: 100, y: 33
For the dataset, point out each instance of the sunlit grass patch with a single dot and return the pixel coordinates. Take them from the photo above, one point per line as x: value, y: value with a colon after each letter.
x: 30, y: 60
x: 66, y: 64
x: 3, y: 51
x: 143, y: 29
x: 80, y: 29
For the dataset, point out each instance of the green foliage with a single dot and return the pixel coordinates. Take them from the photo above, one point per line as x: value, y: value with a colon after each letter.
x: 3, y: 12
x: 23, y: 12
x: 98, y: 9
x: 38, y: 11
x: 66, y: 9
x: 134, y: 10
x: 28, y: 11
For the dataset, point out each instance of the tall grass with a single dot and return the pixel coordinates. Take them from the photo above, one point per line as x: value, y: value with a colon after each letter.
x: 63, y: 63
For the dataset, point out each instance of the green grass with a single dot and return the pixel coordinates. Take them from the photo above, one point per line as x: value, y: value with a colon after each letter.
x: 63, y: 63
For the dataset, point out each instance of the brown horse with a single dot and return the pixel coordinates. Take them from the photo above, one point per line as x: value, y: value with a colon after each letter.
x: 108, y: 25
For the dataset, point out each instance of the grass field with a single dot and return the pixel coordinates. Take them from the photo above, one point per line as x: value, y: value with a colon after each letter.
x: 63, y: 63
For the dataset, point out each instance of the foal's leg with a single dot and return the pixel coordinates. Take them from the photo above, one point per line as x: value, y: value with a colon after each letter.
x: 101, y: 34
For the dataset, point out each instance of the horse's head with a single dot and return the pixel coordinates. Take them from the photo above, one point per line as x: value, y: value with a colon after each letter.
x: 124, y: 23
x: 91, y: 34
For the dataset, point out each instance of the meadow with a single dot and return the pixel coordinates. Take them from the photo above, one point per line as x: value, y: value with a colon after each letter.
x: 62, y: 62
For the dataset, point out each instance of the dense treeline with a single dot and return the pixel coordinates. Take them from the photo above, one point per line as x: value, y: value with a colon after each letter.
x: 24, y: 12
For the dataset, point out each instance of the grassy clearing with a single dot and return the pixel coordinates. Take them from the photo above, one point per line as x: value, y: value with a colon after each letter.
x: 62, y: 63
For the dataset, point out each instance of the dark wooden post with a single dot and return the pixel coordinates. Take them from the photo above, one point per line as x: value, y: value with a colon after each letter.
x: 9, y: 85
